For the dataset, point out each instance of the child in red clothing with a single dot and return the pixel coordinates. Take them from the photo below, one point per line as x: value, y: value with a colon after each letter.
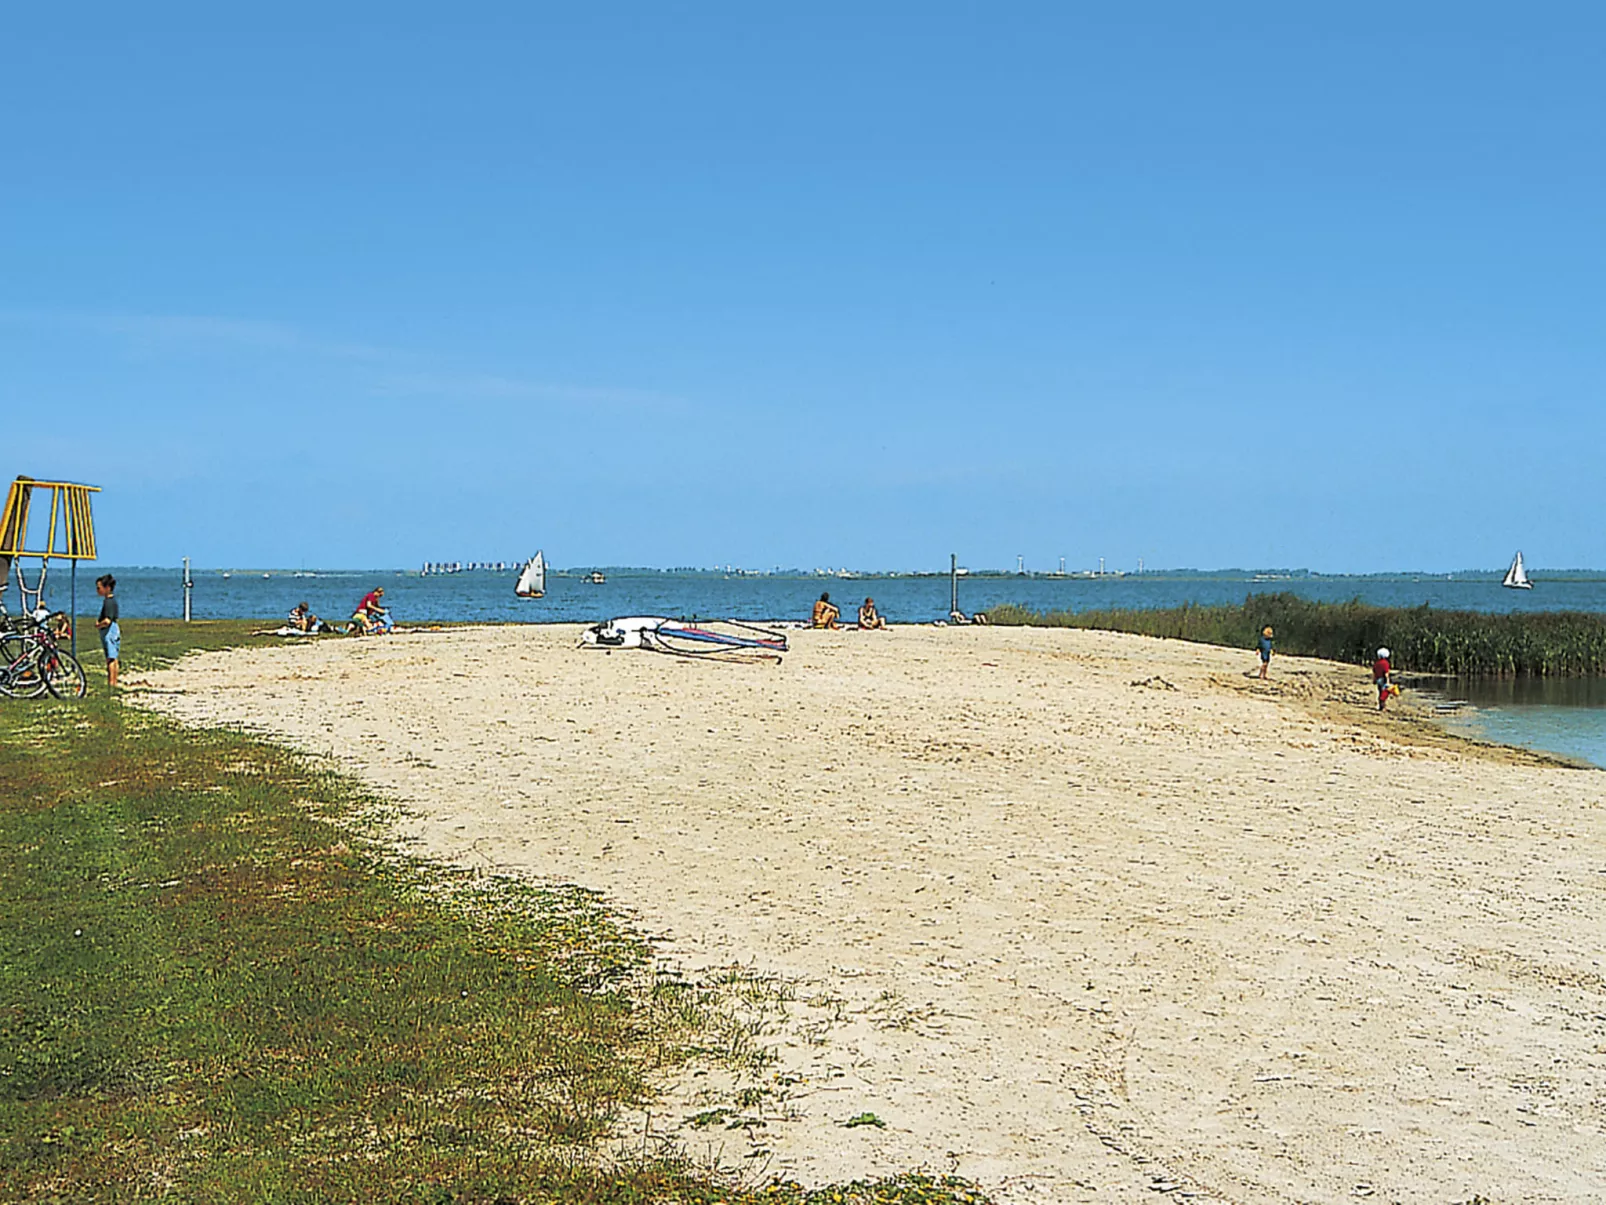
x: 1380, y: 678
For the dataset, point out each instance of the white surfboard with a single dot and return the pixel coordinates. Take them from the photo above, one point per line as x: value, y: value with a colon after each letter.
x: 630, y: 632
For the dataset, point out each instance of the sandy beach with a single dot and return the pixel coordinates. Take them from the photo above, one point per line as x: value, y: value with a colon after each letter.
x: 1082, y: 916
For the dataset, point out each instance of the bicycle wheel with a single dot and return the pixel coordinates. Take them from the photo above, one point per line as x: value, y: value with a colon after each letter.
x: 63, y: 676
x: 23, y: 678
x: 13, y: 644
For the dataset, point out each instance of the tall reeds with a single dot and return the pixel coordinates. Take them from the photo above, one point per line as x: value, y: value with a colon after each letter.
x: 1538, y: 643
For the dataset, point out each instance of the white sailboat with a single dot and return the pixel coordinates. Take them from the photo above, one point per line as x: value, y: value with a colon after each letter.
x: 532, y: 582
x: 1517, y: 576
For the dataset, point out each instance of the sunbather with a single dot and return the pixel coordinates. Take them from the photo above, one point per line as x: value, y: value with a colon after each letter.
x: 825, y: 612
x: 302, y: 619
x: 869, y: 619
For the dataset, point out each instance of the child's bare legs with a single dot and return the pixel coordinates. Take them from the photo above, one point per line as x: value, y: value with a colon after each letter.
x: 111, y: 673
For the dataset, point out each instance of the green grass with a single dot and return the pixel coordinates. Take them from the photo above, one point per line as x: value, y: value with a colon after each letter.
x: 1424, y: 640
x: 213, y: 987
x: 157, y: 643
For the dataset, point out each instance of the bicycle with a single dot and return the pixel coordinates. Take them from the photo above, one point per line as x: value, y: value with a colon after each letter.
x: 14, y: 630
x: 41, y: 665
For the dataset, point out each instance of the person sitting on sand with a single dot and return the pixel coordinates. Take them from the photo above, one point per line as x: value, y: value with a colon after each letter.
x: 825, y: 612
x: 1381, y: 669
x: 371, y: 617
x: 1265, y: 649
x: 869, y: 619
x: 302, y: 619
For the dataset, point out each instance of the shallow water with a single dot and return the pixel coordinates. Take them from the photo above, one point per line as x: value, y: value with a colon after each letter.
x: 1566, y: 715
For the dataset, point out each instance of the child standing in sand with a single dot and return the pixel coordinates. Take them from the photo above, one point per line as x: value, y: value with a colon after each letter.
x: 111, y: 636
x: 1381, y: 669
x: 1265, y: 649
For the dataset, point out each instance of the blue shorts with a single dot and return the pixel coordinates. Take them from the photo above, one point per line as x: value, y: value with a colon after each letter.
x: 111, y: 640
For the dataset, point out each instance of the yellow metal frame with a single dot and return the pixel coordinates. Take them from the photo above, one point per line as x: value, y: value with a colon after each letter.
x: 70, y: 519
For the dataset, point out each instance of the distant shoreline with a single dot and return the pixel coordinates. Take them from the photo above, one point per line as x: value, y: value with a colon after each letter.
x: 1254, y: 576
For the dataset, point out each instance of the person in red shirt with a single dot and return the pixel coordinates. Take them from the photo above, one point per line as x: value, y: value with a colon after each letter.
x: 371, y: 615
x: 1380, y: 678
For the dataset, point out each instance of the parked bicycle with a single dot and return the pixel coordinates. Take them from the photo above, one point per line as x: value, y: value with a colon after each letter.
x: 33, y: 662
x: 14, y: 630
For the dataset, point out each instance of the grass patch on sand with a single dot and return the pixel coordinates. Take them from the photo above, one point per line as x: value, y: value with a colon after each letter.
x: 157, y: 643
x: 1422, y: 639
x: 213, y: 987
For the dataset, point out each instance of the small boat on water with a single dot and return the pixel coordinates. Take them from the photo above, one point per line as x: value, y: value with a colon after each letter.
x: 1517, y: 576
x: 532, y: 580
x: 596, y: 577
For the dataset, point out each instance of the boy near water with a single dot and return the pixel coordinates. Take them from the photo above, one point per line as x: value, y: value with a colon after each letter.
x: 111, y: 636
x: 1381, y: 669
x: 1265, y: 649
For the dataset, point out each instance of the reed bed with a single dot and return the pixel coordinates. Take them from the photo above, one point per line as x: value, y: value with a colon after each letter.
x: 1549, y: 644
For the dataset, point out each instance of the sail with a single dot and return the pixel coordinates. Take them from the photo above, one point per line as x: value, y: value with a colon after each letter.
x: 684, y: 638
x: 1517, y: 576
x: 532, y: 582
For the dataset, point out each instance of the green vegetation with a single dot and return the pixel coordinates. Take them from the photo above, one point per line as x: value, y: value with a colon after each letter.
x: 1423, y: 640
x: 214, y: 987
x: 155, y: 643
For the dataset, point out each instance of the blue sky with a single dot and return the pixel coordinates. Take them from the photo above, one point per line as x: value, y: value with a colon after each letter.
x: 841, y: 284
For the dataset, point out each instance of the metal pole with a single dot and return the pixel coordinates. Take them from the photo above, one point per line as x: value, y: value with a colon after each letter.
x: 953, y: 582
x: 74, y: 610
x: 188, y: 584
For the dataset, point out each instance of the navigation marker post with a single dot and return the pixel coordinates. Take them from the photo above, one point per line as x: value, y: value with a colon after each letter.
x: 953, y: 583
x: 188, y: 586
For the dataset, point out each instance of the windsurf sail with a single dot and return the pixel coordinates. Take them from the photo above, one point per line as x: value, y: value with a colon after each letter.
x: 532, y: 581
x: 704, y: 634
x: 1517, y: 576
x: 685, y: 638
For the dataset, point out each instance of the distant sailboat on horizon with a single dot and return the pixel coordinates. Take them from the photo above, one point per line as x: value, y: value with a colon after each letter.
x: 1517, y: 576
x: 532, y: 582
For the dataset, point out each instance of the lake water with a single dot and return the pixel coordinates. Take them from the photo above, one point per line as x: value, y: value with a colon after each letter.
x: 1540, y: 715
x: 488, y: 596
x: 1566, y: 715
